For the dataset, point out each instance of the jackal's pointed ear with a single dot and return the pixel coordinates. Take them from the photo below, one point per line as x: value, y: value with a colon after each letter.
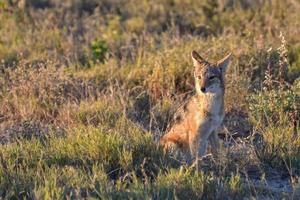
x: 197, y: 59
x: 223, y: 63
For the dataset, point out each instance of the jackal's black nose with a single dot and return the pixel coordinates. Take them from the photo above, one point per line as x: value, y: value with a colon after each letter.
x: 203, y: 89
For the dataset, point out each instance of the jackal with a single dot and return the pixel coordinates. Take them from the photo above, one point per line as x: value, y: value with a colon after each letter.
x: 197, y: 120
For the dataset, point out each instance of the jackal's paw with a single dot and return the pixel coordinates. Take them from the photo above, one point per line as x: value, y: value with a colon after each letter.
x: 170, y: 147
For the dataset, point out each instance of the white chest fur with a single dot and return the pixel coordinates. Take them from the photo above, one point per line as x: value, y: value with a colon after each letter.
x: 211, y: 111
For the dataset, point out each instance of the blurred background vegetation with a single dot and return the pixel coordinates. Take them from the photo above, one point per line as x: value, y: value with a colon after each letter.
x: 88, y: 86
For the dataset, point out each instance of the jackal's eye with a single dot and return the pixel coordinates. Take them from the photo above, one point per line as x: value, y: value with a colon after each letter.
x: 198, y: 76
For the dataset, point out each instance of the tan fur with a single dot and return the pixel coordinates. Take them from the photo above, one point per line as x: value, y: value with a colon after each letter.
x: 198, y: 119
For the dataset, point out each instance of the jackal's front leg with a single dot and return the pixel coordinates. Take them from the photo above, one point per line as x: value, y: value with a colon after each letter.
x: 198, y: 149
x: 202, y: 147
x: 215, y: 143
x: 202, y: 139
x: 193, y: 145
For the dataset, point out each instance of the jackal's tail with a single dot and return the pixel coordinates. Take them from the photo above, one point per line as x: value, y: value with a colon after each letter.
x: 173, y: 138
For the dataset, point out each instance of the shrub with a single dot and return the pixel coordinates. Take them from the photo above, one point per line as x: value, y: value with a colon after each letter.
x: 99, y: 50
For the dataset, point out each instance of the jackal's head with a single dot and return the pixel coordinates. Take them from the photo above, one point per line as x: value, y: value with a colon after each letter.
x: 209, y: 77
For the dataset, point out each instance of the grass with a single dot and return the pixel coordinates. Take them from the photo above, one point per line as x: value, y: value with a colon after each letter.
x: 88, y: 87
